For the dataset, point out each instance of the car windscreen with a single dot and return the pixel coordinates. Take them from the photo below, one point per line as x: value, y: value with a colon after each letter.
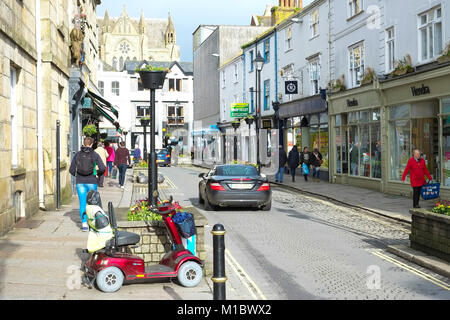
x: 236, y: 171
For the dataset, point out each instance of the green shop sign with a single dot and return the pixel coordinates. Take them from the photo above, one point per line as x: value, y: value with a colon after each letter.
x: 239, y: 110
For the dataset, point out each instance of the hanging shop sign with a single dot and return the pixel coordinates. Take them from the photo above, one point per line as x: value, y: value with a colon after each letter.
x: 239, y: 110
x: 291, y: 87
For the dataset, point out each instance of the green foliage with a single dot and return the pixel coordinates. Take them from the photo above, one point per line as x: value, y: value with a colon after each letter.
x: 90, y: 130
x: 152, y: 68
x: 141, y: 212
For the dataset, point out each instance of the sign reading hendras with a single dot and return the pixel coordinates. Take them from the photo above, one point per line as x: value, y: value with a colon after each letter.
x: 239, y: 110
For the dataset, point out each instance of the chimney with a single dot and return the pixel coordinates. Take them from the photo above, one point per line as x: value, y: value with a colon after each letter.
x: 285, y: 9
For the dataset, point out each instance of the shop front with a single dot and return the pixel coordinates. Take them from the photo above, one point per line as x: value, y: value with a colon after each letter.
x: 375, y: 128
x: 305, y: 124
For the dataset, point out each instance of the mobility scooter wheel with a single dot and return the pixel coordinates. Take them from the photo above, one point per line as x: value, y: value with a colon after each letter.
x: 190, y: 274
x: 110, y: 279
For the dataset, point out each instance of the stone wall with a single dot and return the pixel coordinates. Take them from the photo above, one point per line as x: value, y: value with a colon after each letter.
x: 430, y: 233
x: 18, y: 185
x: 154, y: 240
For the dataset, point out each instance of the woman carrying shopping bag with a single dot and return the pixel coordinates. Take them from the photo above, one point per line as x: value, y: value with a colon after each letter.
x: 417, y: 169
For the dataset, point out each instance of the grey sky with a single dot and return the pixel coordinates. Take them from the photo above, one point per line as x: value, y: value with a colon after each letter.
x: 188, y: 14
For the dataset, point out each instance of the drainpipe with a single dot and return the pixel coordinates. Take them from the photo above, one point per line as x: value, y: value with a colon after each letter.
x: 39, y: 106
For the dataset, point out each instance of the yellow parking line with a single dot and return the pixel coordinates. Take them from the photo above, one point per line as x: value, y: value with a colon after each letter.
x: 411, y: 269
x: 247, y: 277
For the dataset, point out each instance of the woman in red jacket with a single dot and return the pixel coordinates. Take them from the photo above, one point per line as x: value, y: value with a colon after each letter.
x: 417, y: 170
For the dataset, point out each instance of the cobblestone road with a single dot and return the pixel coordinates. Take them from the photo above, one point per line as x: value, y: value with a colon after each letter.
x: 306, y: 248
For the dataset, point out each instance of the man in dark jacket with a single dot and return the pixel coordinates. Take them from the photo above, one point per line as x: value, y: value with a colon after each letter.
x: 122, y: 161
x: 316, y: 161
x: 83, y: 167
x: 293, y: 161
x: 282, y: 159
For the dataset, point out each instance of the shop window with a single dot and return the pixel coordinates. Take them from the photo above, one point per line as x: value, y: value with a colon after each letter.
x: 341, y: 144
x: 446, y: 143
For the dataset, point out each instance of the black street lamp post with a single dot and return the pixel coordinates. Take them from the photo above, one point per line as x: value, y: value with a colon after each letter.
x: 259, y: 62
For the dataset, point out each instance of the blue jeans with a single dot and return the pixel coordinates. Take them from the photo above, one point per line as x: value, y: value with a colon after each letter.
x: 316, y: 172
x: 279, y: 175
x: 82, y: 190
x: 122, y: 171
x: 110, y: 166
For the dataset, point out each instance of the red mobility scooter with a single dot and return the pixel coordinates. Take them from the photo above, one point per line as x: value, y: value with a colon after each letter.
x: 112, y: 265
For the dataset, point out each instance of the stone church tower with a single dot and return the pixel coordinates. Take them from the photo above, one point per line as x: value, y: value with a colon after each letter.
x: 127, y: 39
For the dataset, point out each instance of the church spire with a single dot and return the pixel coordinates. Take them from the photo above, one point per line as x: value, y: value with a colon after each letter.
x: 170, y: 32
x: 142, y: 23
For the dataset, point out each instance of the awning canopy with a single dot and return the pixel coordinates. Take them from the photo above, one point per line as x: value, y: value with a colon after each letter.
x: 105, y: 109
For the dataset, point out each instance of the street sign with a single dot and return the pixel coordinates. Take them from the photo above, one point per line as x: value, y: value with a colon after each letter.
x: 291, y: 87
x: 239, y: 110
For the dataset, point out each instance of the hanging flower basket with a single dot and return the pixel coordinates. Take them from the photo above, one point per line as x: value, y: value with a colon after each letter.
x: 90, y: 130
x: 145, y: 121
x: 152, y: 77
x: 249, y: 120
x: 236, y: 124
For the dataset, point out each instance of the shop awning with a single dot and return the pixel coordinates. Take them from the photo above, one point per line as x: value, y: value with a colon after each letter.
x: 105, y: 109
x: 304, y: 106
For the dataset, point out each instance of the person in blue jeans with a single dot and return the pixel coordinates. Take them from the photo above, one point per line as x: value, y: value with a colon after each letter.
x: 282, y: 159
x: 122, y: 161
x: 83, y: 167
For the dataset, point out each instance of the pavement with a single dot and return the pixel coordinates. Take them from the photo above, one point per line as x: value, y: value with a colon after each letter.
x: 44, y: 262
x: 388, y: 205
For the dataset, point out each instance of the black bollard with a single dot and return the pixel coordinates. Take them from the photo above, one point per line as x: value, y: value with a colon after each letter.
x: 58, y: 164
x: 219, y: 277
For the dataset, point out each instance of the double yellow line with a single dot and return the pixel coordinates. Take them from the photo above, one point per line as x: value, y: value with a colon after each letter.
x: 411, y: 269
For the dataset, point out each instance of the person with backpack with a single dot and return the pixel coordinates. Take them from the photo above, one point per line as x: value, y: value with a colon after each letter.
x: 293, y: 161
x: 282, y: 159
x: 84, y: 168
x: 305, y: 161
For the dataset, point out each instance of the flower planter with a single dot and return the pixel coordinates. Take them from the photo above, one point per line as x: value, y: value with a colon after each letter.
x: 152, y: 79
x: 145, y: 123
x: 249, y: 121
x: 443, y: 59
x: 430, y: 233
x: 154, y: 243
x: 235, y: 125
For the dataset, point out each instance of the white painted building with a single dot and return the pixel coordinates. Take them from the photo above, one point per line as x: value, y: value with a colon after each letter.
x: 174, y: 103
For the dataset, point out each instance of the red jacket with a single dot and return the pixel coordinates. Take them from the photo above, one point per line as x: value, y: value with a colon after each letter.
x: 417, y: 171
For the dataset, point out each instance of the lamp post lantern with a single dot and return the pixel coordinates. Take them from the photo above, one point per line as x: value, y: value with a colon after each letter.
x: 259, y: 63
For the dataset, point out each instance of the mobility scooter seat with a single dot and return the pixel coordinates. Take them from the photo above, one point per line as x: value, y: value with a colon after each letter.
x: 125, y: 238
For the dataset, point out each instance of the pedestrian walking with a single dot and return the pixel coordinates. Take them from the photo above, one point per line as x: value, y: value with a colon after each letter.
x: 122, y: 160
x: 136, y: 154
x: 111, y: 157
x: 282, y: 159
x: 305, y: 159
x: 83, y: 167
x: 417, y: 170
x: 316, y: 161
x: 293, y: 161
x: 101, y: 151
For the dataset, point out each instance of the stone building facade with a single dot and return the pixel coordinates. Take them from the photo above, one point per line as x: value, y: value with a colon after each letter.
x: 125, y: 39
x: 18, y: 125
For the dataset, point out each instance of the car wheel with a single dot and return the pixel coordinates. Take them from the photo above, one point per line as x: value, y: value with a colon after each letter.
x: 109, y: 279
x: 207, y: 205
x: 190, y: 274
x: 267, y: 207
x: 200, y: 199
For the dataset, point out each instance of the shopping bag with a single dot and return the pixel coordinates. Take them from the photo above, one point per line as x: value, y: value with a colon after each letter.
x: 430, y: 191
x: 305, y: 169
x: 114, y: 173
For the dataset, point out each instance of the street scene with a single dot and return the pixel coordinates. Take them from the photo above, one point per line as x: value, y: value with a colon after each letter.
x: 296, y: 150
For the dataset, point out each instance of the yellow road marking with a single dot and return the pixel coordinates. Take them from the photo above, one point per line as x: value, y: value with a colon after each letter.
x: 411, y: 269
x: 247, y: 277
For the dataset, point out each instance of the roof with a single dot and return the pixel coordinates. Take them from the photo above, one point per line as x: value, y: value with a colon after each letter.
x: 186, y: 67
